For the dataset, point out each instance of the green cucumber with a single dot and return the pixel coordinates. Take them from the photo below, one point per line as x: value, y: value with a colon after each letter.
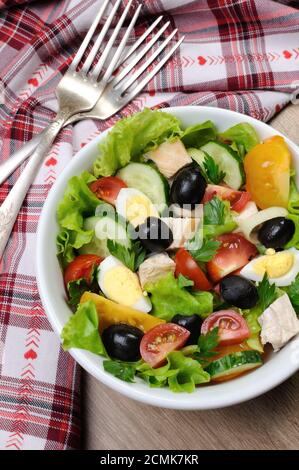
x: 241, y: 361
x: 104, y: 228
x: 228, y: 161
x: 197, y: 155
x: 148, y: 179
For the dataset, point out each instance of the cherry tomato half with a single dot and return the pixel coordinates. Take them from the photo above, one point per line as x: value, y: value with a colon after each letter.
x: 161, y: 340
x: 237, y: 199
x: 233, y: 328
x: 107, y: 188
x: 235, y: 251
x: 81, y: 267
x: 188, y: 267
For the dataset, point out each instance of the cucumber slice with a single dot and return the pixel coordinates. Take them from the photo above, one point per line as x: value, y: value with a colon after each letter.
x: 237, y: 362
x: 197, y: 155
x: 104, y: 228
x: 148, y: 180
x: 228, y: 161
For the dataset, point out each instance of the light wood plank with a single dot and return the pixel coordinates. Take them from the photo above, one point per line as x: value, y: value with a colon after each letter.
x: 111, y: 421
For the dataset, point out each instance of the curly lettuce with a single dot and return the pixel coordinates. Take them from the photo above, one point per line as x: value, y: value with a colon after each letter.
x: 168, y: 299
x: 242, y: 136
x: 199, y: 134
x: 133, y: 136
x: 77, y: 203
x: 82, y: 330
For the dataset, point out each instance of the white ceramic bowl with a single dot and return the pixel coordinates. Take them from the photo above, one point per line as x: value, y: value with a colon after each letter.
x: 278, y: 367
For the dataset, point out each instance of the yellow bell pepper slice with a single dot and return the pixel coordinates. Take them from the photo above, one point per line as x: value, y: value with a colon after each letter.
x: 110, y: 313
x: 267, y: 167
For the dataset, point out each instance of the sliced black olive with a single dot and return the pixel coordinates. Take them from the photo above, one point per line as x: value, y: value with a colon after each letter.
x: 188, y: 186
x: 122, y: 342
x: 192, y: 323
x: 277, y: 232
x: 155, y: 235
x: 238, y: 291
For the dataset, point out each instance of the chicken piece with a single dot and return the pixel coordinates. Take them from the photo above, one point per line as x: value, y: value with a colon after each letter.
x: 186, y: 211
x: 182, y: 230
x: 279, y: 323
x: 170, y: 157
x: 154, y: 268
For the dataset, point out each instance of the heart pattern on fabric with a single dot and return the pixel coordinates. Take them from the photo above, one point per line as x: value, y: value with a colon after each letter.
x: 51, y: 161
x: 201, y: 60
x: 30, y: 354
x: 33, y: 81
x: 287, y: 54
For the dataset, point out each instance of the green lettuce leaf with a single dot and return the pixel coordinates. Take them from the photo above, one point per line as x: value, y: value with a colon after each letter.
x: 77, y: 203
x: 294, y: 242
x: 82, y: 330
x: 131, y: 137
x: 293, y: 205
x: 199, y: 134
x: 168, y: 299
x: 243, y: 135
x: 190, y: 373
x: 251, y: 316
x: 122, y: 370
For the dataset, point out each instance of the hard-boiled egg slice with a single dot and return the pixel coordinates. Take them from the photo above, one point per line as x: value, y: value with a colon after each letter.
x: 281, y: 268
x: 135, y: 206
x: 119, y: 283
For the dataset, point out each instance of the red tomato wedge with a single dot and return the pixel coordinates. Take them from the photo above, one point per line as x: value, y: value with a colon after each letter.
x: 107, y: 188
x: 237, y: 199
x: 161, y: 340
x: 233, y: 328
x: 81, y: 267
x: 235, y: 251
x: 188, y: 267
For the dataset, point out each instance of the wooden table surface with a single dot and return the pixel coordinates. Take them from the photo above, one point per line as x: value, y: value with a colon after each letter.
x: 112, y: 421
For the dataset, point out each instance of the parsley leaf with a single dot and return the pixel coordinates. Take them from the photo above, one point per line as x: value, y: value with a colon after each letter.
x: 121, y: 370
x: 184, y: 281
x: 212, y: 170
x: 207, y: 343
x: 214, y: 212
x: 293, y: 293
x: 206, y: 252
x: 267, y: 292
x: 77, y: 288
x: 130, y: 257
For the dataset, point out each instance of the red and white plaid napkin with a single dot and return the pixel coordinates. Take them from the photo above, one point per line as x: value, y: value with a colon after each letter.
x: 238, y: 54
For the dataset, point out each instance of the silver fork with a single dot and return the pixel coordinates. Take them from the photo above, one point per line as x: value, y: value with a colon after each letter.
x: 77, y: 91
x: 15, y: 160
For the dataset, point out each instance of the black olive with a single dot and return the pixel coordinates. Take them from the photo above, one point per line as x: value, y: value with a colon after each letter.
x: 122, y: 342
x: 155, y: 235
x: 238, y: 291
x: 188, y: 186
x: 192, y: 323
x: 277, y: 232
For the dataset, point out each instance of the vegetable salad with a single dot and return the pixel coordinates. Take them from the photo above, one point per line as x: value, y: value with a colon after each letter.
x: 180, y: 251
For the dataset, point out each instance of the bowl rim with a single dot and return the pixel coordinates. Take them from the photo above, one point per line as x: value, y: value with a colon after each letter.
x: 150, y: 396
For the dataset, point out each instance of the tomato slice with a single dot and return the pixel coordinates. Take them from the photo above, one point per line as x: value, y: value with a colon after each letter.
x: 161, y: 340
x: 235, y: 251
x: 188, y: 267
x: 81, y: 267
x: 233, y: 328
x: 237, y: 199
x: 107, y: 188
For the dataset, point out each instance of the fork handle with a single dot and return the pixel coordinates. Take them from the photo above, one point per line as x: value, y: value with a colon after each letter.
x: 12, y: 204
x: 13, y: 162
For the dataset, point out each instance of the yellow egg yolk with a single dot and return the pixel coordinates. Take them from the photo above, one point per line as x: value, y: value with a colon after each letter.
x: 122, y: 286
x: 139, y: 208
x: 275, y: 265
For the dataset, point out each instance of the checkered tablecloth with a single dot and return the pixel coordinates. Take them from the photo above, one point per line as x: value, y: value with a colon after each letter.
x: 238, y: 54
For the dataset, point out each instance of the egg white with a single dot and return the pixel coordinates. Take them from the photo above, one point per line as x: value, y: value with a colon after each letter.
x: 282, y: 281
x: 143, y: 303
x: 122, y: 205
